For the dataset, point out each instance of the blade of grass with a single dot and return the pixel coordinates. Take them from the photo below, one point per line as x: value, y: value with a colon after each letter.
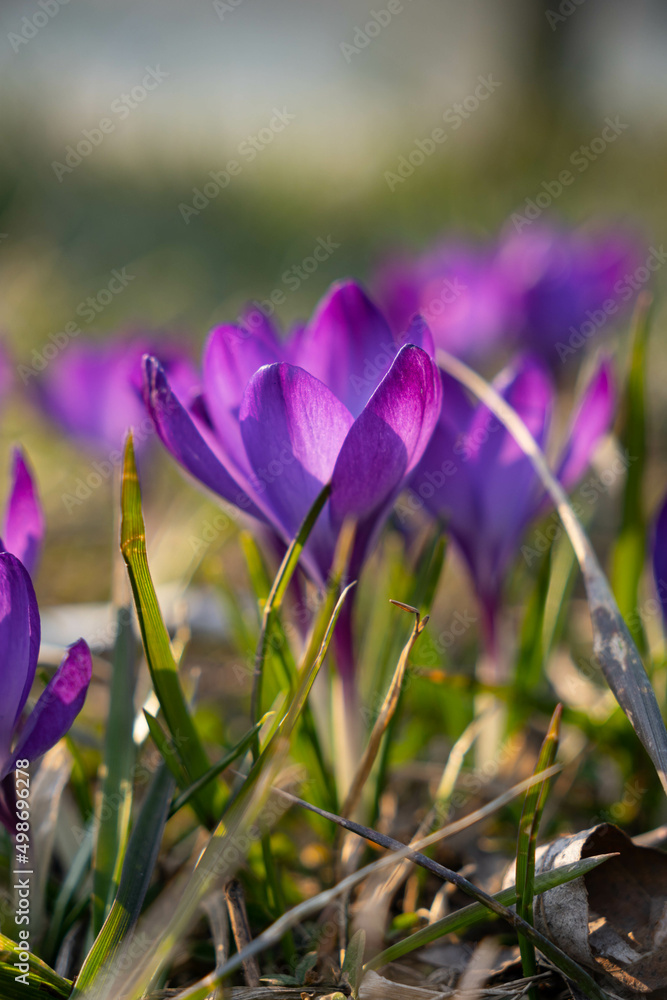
x: 276, y: 595
x: 225, y: 851
x: 385, y: 715
x: 72, y: 883
x: 440, y: 808
x: 79, y: 780
x: 269, y: 621
x: 274, y: 933
x: 475, y: 913
x: 160, y: 659
x: 421, y: 595
x: 112, y: 820
x: 307, y: 735
x: 629, y: 553
x: 236, y: 751
x: 161, y: 741
x: 530, y: 655
x: 140, y: 859
x: 525, y: 855
x: 42, y: 981
x: 613, y: 645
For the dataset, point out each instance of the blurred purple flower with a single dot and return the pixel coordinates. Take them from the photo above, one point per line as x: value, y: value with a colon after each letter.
x: 60, y: 702
x: 477, y: 478
x: 93, y: 390
x: 455, y: 287
x: 341, y: 400
x: 567, y: 285
x: 6, y: 374
x: 660, y: 557
x: 23, y: 527
x: 545, y: 289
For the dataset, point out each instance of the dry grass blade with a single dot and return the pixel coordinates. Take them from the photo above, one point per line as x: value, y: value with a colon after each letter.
x: 275, y: 932
x: 531, y: 815
x: 613, y: 645
x: 381, y: 891
x: 238, y: 917
x: 385, y: 716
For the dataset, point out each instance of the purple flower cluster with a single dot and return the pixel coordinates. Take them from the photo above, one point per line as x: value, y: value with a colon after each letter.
x: 475, y: 477
x: 545, y: 290
x: 352, y: 399
x: 343, y: 400
x: 62, y: 699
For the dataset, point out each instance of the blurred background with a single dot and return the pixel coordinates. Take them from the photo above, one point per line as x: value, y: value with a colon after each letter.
x: 203, y: 152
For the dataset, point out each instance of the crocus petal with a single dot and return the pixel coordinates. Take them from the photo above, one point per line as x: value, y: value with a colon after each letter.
x: 23, y: 529
x: 507, y: 486
x: 560, y: 277
x: 447, y: 456
x: 58, y: 706
x: 591, y: 423
x: 385, y: 444
x: 181, y: 436
x: 293, y: 428
x: 19, y: 645
x: 476, y: 477
x: 347, y: 345
x: 660, y: 557
x: 231, y: 357
x: 419, y: 334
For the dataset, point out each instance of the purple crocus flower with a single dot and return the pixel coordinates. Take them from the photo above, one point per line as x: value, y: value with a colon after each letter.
x: 476, y: 477
x: 660, y: 557
x: 93, y: 390
x: 545, y: 289
x: 455, y: 286
x: 567, y: 286
x: 23, y: 528
x: 339, y: 401
x: 60, y: 702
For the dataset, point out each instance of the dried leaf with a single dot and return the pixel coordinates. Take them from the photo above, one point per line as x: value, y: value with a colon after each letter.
x: 614, y: 919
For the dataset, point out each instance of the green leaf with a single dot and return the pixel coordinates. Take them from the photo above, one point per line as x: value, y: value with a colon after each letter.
x: 477, y: 913
x: 353, y: 965
x: 229, y: 758
x: 78, y: 871
x: 42, y: 981
x: 307, y: 963
x: 114, y: 804
x: 140, y: 859
x: 276, y: 595
x: 166, y: 750
x: 226, y: 848
x: 531, y: 815
x: 385, y: 714
x: 161, y: 663
x: 629, y: 552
